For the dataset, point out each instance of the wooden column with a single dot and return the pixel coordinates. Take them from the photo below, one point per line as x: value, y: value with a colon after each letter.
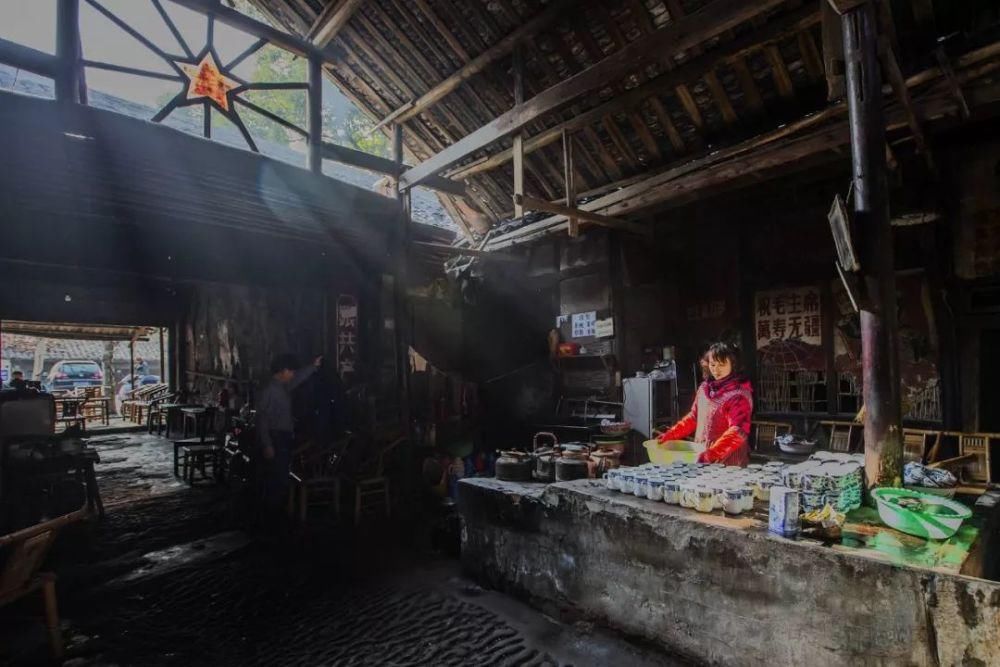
x: 315, y: 115
x: 163, y: 357
x: 518, y: 147
x: 879, y: 326
x: 67, y: 78
x: 404, y: 327
x: 567, y: 141
x: 131, y: 364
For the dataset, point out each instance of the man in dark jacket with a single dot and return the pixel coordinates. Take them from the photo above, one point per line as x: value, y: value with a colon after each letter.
x: 275, y: 425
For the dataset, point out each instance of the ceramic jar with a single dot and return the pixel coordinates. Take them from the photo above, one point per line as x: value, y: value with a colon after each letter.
x: 654, y: 488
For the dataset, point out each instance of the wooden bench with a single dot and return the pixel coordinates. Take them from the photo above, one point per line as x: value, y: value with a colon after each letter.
x: 136, y: 408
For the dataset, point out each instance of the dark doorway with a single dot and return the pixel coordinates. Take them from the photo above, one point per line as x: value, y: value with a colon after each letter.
x: 989, y: 388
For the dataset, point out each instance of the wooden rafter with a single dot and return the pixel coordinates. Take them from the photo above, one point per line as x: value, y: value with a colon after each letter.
x: 898, y: 83
x: 793, y: 144
x: 689, y: 31
x: 332, y: 20
x: 751, y: 94
x: 694, y: 68
x: 721, y: 98
x: 484, y: 60
x: 782, y: 79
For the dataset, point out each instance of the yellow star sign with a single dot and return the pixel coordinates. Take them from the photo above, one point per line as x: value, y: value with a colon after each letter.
x: 206, y: 80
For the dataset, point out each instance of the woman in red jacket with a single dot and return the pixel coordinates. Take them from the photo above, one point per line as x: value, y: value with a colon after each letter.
x: 720, y: 416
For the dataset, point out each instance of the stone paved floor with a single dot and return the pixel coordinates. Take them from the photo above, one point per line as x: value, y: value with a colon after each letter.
x: 170, y: 578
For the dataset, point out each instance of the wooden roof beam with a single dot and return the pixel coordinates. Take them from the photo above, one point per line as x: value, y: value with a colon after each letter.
x: 583, y: 216
x: 331, y: 20
x: 753, y: 156
x: 898, y: 82
x: 693, y: 29
x: 484, y: 59
x: 697, y: 67
x: 244, y: 23
x: 381, y: 165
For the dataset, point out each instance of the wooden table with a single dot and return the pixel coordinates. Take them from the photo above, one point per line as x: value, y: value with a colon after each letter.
x: 172, y: 412
x: 197, y: 417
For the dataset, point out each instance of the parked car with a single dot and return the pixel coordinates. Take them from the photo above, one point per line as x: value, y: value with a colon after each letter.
x: 124, y: 388
x: 71, y: 374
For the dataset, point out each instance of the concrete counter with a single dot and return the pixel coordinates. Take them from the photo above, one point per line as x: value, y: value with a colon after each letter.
x: 720, y: 590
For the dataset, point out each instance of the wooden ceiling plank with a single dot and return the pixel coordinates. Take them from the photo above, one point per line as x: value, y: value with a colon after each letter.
x: 721, y: 98
x: 751, y: 93
x: 782, y: 79
x: 811, y: 58
x: 442, y: 29
x: 485, y: 59
x: 667, y: 123
x: 646, y: 137
x: 401, y: 81
x: 409, y: 47
x: 612, y: 168
x: 687, y: 101
x: 620, y: 143
x: 695, y: 28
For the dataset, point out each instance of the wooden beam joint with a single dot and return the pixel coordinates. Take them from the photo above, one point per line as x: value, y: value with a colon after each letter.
x: 534, y: 204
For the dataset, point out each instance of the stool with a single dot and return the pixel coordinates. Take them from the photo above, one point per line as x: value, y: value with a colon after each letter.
x: 180, y: 444
x: 199, y: 457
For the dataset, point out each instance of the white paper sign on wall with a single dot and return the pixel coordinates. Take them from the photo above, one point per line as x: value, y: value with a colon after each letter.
x: 604, y: 328
x: 583, y: 324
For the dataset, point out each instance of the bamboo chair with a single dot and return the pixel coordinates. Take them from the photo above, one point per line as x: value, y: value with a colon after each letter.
x: 767, y: 433
x: 841, y: 434
x: 21, y: 575
x: 917, y: 443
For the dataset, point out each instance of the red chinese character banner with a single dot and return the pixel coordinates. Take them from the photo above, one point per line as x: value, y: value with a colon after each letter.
x: 789, y: 315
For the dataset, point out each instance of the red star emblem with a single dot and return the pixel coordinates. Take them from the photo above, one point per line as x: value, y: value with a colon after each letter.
x: 206, y: 80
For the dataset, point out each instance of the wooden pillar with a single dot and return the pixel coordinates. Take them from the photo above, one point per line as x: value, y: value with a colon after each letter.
x: 67, y: 79
x: 163, y: 358
x: 879, y: 326
x: 404, y: 327
x: 518, y: 147
x: 315, y: 115
x: 131, y: 364
x: 567, y: 141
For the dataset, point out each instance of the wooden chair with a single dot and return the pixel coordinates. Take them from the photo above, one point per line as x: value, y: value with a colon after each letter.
x: 372, y: 488
x: 767, y: 432
x: 134, y: 408
x: 976, y: 446
x: 96, y: 407
x: 315, y: 479
x: 200, y: 458
x: 149, y: 399
x: 20, y: 573
x: 841, y: 434
x: 917, y: 443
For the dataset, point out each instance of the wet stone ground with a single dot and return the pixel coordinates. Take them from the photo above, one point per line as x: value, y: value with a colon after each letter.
x: 173, y: 577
